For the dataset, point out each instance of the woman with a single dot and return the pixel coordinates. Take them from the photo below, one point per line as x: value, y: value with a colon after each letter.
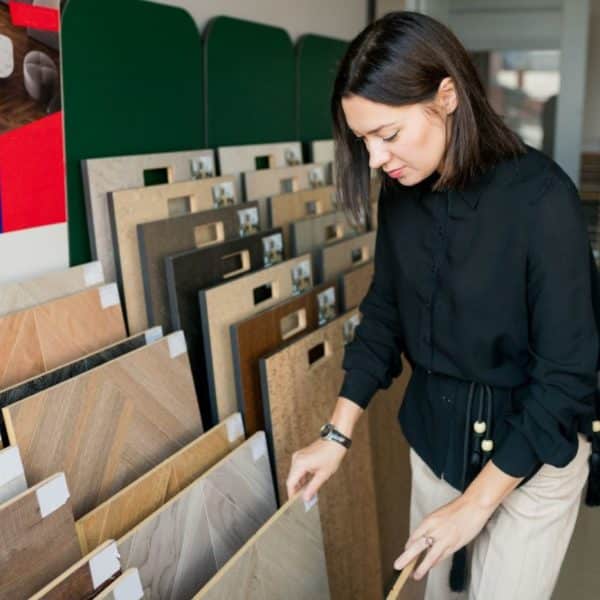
x: 483, y: 279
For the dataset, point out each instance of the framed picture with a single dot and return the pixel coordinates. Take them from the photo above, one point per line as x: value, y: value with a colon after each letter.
x: 248, y: 221
x: 202, y: 167
x: 273, y: 249
x: 223, y: 194
x: 327, y: 306
x: 301, y: 280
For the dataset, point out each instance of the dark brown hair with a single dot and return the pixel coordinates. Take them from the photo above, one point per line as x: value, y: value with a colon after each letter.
x: 401, y: 59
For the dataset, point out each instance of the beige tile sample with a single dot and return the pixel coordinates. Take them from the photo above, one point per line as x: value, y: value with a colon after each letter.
x: 12, y: 474
x: 129, y: 208
x: 43, y: 337
x: 178, y: 548
x: 20, y: 295
x: 130, y: 506
x: 107, y: 174
x: 230, y: 302
x: 283, y: 559
x: 300, y: 387
x: 127, y: 587
x: 291, y: 206
x: 334, y: 259
x: 86, y: 578
x: 114, y: 422
x: 37, y: 538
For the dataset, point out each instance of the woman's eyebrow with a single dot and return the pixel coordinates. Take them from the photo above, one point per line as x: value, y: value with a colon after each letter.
x: 376, y: 129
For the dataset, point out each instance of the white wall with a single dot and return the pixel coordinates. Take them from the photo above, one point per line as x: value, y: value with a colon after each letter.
x: 342, y: 19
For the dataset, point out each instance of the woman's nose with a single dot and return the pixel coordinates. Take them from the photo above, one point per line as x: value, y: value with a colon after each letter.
x: 378, y: 156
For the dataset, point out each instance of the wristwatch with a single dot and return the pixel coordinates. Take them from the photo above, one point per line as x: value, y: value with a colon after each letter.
x: 329, y: 432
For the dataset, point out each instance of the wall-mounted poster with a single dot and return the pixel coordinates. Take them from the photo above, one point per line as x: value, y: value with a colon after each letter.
x: 33, y: 229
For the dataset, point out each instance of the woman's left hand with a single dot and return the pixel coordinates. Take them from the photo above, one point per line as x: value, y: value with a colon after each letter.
x: 452, y: 526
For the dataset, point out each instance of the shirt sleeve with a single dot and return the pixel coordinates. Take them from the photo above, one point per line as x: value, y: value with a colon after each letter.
x: 373, y: 358
x: 563, y: 341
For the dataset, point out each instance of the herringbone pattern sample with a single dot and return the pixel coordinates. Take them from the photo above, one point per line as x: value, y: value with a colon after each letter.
x: 86, y: 578
x: 55, y: 376
x: 129, y: 208
x: 260, y: 334
x: 37, y: 538
x: 291, y: 206
x: 194, y: 270
x: 301, y: 383
x: 283, y: 559
x: 181, y: 546
x: 127, y: 587
x: 115, y: 422
x: 159, y: 239
x: 123, y: 511
x: 226, y: 304
x: 308, y: 234
x: 41, y: 338
x: 262, y: 184
x: 104, y: 175
x: 25, y: 294
x: 354, y: 285
x: 12, y: 475
x: 334, y: 259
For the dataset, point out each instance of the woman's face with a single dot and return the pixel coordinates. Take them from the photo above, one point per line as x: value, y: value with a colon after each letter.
x: 405, y: 141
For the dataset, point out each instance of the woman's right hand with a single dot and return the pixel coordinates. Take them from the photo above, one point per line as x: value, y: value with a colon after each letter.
x: 320, y: 459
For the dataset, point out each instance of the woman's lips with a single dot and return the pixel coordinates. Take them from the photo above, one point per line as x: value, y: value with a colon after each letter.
x: 397, y: 172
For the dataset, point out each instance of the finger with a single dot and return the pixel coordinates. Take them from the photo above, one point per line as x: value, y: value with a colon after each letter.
x: 431, y: 559
x: 293, y: 482
x: 314, y: 485
x: 410, y: 552
x: 419, y: 533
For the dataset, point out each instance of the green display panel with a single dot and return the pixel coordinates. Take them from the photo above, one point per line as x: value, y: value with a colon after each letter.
x: 317, y: 60
x: 133, y: 77
x: 250, y: 83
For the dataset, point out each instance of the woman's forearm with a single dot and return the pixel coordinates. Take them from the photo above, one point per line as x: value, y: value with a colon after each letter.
x: 491, y: 486
x: 345, y: 415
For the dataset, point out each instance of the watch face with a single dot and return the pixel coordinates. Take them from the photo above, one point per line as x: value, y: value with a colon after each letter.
x: 325, y: 429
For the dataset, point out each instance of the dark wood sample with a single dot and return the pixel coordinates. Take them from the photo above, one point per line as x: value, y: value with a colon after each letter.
x: 257, y: 336
x: 193, y: 270
x: 49, y: 378
x: 159, y: 239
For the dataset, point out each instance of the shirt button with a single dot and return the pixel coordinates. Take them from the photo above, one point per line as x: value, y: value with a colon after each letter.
x: 428, y: 371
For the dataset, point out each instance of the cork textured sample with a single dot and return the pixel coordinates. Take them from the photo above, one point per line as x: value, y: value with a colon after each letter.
x: 226, y: 304
x: 194, y: 270
x: 284, y: 558
x: 159, y: 239
x: 86, y: 578
x: 104, y: 175
x: 20, y: 295
x: 117, y: 421
x: 261, y: 334
x: 129, y: 208
x: 43, y: 337
x: 42, y: 382
x: 127, y: 508
x: 184, y: 543
x: 334, y: 259
x: 300, y: 386
x: 291, y: 206
x: 37, y: 538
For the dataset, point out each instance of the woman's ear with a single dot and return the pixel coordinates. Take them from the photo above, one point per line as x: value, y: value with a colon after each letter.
x: 447, y: 95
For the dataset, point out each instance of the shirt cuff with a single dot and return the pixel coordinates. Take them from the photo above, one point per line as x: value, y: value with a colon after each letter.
x: 515, y: 455
x: 359, y: 387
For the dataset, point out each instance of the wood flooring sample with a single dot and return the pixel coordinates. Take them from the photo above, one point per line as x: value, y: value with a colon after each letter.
x: 354, y: 285
x: 334, y: 259
x: 184, y: 543
x: 301, y: 384
x: 25, y: 294
x: 127, y: 587
x: 120, y: 513
x: 43, y: 337
x: 115, y: 422
x: 37, y: 538
x: 86, y: 578
x: 12, y: 474
x: 283, y: 559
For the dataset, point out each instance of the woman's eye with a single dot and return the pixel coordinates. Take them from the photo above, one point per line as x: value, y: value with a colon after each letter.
x: 391, y: 138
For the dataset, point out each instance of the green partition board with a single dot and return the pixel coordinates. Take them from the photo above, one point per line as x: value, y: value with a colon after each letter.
x: 132, y: 83
x: 317, y: 60
x: 250, y: 83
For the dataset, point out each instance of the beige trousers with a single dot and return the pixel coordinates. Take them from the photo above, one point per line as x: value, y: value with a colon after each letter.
x: 519, y: 552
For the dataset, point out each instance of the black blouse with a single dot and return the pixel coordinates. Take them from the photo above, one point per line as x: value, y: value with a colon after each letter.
x: 487, y: 292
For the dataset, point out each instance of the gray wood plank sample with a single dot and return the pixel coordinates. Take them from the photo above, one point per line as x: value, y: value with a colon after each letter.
x: 226, y: 304
x: 116, y: 421
x: 193, y: 270
x: 184, y: 543
x: 159, y: 239
x: 111, y: 173
x: 283, y: 559
x: 334, y: 259
x: 354, y: 284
